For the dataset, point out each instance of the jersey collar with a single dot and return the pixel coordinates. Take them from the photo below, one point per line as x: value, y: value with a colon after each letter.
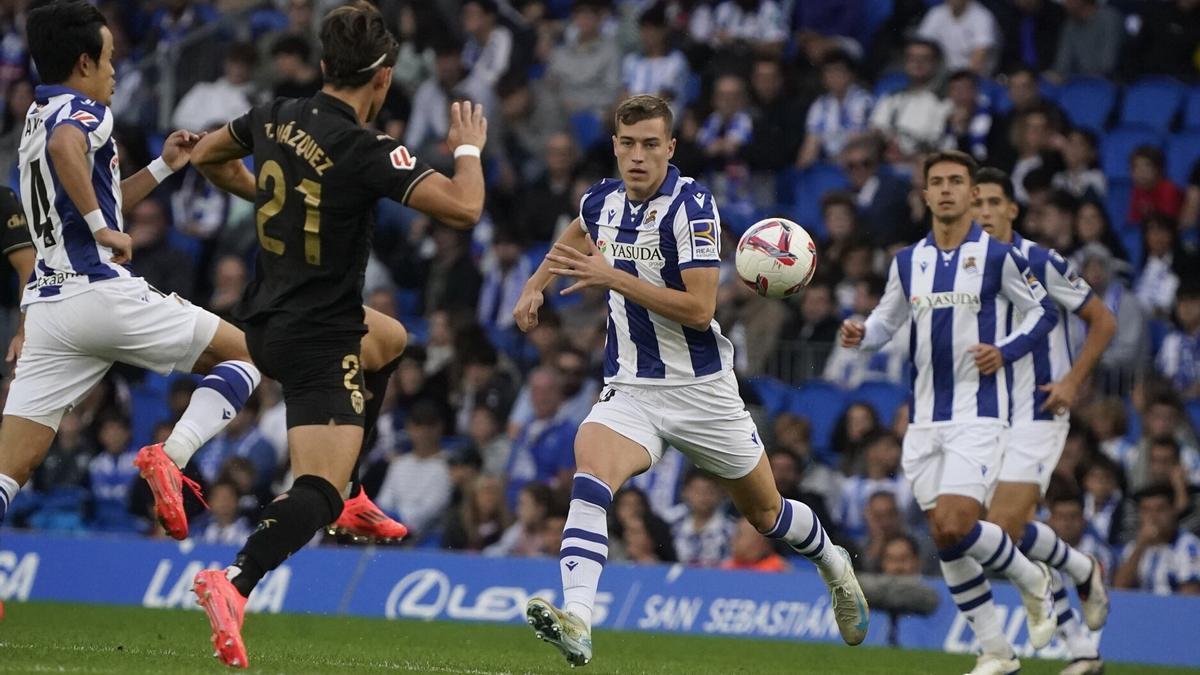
x: 1017, y: 241
x: 975, y: 233
x: 45, y: 92
x: 337, y: 105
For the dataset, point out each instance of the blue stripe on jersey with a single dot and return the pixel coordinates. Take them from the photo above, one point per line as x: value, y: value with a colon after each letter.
x: 904, y: 269
x: 702, y: 345
x: 77, y: 236
x: 1008, y: 367
x: 45, y: 291
x: 941, y: 347
x: 641, y: 328
x: 589, y: 211
x: 1042, y: 373
x: 611, y: 362
x: 986, y: 403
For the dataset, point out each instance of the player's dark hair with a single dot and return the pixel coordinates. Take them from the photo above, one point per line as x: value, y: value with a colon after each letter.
x: 989, y: 175
x: 644, y: 107
x: 953, y: 157
x: 58, y: 33
x: 356, y: 42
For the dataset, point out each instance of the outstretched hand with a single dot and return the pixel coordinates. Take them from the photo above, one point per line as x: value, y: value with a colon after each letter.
x: 588, y: 269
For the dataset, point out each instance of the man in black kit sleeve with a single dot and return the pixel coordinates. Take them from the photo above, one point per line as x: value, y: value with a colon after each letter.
x: 318, y: 173
x: 16, y: 245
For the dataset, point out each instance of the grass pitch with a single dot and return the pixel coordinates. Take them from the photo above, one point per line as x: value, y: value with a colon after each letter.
x: 70, y: 638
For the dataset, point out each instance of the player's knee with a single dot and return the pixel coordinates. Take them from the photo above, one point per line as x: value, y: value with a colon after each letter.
x: 951, y: 527
x: 325, y: 500
x: 763, y: 518
x: 1011, y: 522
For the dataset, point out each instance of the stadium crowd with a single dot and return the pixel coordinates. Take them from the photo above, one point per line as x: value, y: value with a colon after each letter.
x: 816, y: 110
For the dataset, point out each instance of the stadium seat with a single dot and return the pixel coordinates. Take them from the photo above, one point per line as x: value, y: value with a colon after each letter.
x: 1193, y: 413
x: 587, y: 128
x: 1158, y: 333
x: 1183, y: 151
x: 1119, y: 143
x: 1152, y: 102
x: 1191, y: 109
x: 875, y: 14
x: 773, y: 394
x: 812, y: 184
x: 996, y: 94
x: 884, y: 397
x: 1131, y: 240
x: 889, y: 83
x: 822, y: 404
x: 1116, y: 201
x: 1088, y: 102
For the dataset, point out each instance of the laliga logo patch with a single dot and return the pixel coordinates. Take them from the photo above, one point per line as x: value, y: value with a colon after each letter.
x: 401, y: 159
x: 84, y: 117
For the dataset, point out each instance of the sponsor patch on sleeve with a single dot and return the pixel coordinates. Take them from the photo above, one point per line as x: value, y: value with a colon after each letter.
x: 704, y: 240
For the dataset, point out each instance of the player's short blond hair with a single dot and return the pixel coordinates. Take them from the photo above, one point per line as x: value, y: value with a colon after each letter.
x: 644, y: 107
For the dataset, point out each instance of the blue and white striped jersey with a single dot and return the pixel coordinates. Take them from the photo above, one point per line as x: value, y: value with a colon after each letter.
x: 953, y: 300
x: 68, y: 258
x: 1051, y: 357
x: 677, y: 229
x: 1166, y: 567
x: 835, y: 121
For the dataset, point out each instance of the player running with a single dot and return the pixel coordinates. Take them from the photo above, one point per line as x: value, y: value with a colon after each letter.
x: 83, y: 308
x: 955, y: 289
x: 319, y: 174
x: 1044, y: 386
x: 652, y: 239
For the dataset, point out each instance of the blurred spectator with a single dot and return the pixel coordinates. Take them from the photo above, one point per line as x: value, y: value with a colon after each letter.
x: 901, y: 556
x: 657, y: 68
x: 464, y: 463
x: 546, y: 206
x: 164, y: 267
x: 1189, y: 214
x: 1162, y: 558
x: 1157, y: 284
x: 484, y: 385
x: 223, y: 523
x: 882, y: 198
x: 885, y: 518
x: 295, y: 75
x: 1030, y: 30
x: 1130, y: 348
x: 449, y: 278
x: 1065, y: 505
x: 758, y: 25
x: 1152, y: 192
x: 505, y: 271
x: 777, y: 137
x: 416, y: 488
x: 818, y: 323
x: 67, y: 460
x: 638, y: 544
x: 645, y: 536
x: 1081, y: 175
x: 966, y: 32
x: 844, y: 109
x: 790, y: 434
x: 788, y: 469
x: 531, y: 123
x: 487, y: 434
x: 1103, y: 499
x: 1024, y: 95
x: 110, y: 475
x: 585, y: 75
x: 914, y: 118
x: 730, y: 125
x: 229, y: 280
x: 488, y: 49
x: 970, y: 120
x: 851, y: 367
x: 1166, y: 39
x: 523, y: 539
x: 1053, y: 222
x: 1093, y: 227
x: 579, y: 391
x: 1163, y: 417
x: 856, y: 425
x: 880, y: 473
x: 17, y: 100
x: 1032, y: 138
x: 752, y: 323
x: 481, y: 519
x: 1179, y: 357
x: 659, y: 488
x: 1090, y: 41
x: 750, y: 550
x: 543, y: 447
x: 551, y: 539
x: 211, y: 104
x: 1108, y: 423
x: 842, y: 229
x: 703, y: 535
x: 431, y: 103
x: 1164, y: 467
x: 240, y: 438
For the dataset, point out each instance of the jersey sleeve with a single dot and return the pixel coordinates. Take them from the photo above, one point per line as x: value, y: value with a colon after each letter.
x: 391, y: 170
x: 241, y: 128
x: 892, y: 310
x: 16, y: 229
x: 1063, y: 283
x: 89, y: 117
x: 698, y: 231
x: 1019, y: 285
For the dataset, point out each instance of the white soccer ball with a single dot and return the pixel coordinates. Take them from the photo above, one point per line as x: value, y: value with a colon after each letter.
x: 776, y: 258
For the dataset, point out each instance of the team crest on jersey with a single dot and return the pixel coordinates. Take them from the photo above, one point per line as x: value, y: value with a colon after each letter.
x: 969, y: 264
x: 651, y: 216
x: 402, y: 159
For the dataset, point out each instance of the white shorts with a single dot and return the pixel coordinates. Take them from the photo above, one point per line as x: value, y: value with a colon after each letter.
x: 1032, y: 452
x: 707, y: 422
x: 956, y: 459
x: 71, y: 343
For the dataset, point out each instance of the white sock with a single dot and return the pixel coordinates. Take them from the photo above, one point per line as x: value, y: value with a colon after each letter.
x: 987, y: 543
x: 973, y: 594
x: 1070, y: 628
x: 584, y: 549
x: 218, y: 397
x: 8, y: 489
x: 799, y: 527
x: 1041, y: 542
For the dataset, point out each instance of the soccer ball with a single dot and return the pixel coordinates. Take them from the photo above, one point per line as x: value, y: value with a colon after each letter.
x: 776, y: 258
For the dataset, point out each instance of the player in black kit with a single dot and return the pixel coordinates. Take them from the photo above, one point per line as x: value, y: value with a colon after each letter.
x: 16, y: 245
x: 318, y: 174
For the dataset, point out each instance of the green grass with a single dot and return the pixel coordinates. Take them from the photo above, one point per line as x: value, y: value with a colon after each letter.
x: 51, y: 637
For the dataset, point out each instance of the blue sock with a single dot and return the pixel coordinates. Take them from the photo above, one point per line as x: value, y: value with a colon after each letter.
x: 218, y: 397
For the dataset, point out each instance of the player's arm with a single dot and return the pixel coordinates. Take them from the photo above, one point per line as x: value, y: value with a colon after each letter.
x: 68, y: 148
x: 885, y: 319
x: 22, y: 260
x: 177, y: 150
x: 218, y: 157
x: 457, y: 201
x: 526, y: 312
x: 1067, y: 289
x: 1019, y: 285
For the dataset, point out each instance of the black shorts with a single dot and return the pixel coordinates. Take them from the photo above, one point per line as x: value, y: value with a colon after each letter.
x: 322, y: 377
